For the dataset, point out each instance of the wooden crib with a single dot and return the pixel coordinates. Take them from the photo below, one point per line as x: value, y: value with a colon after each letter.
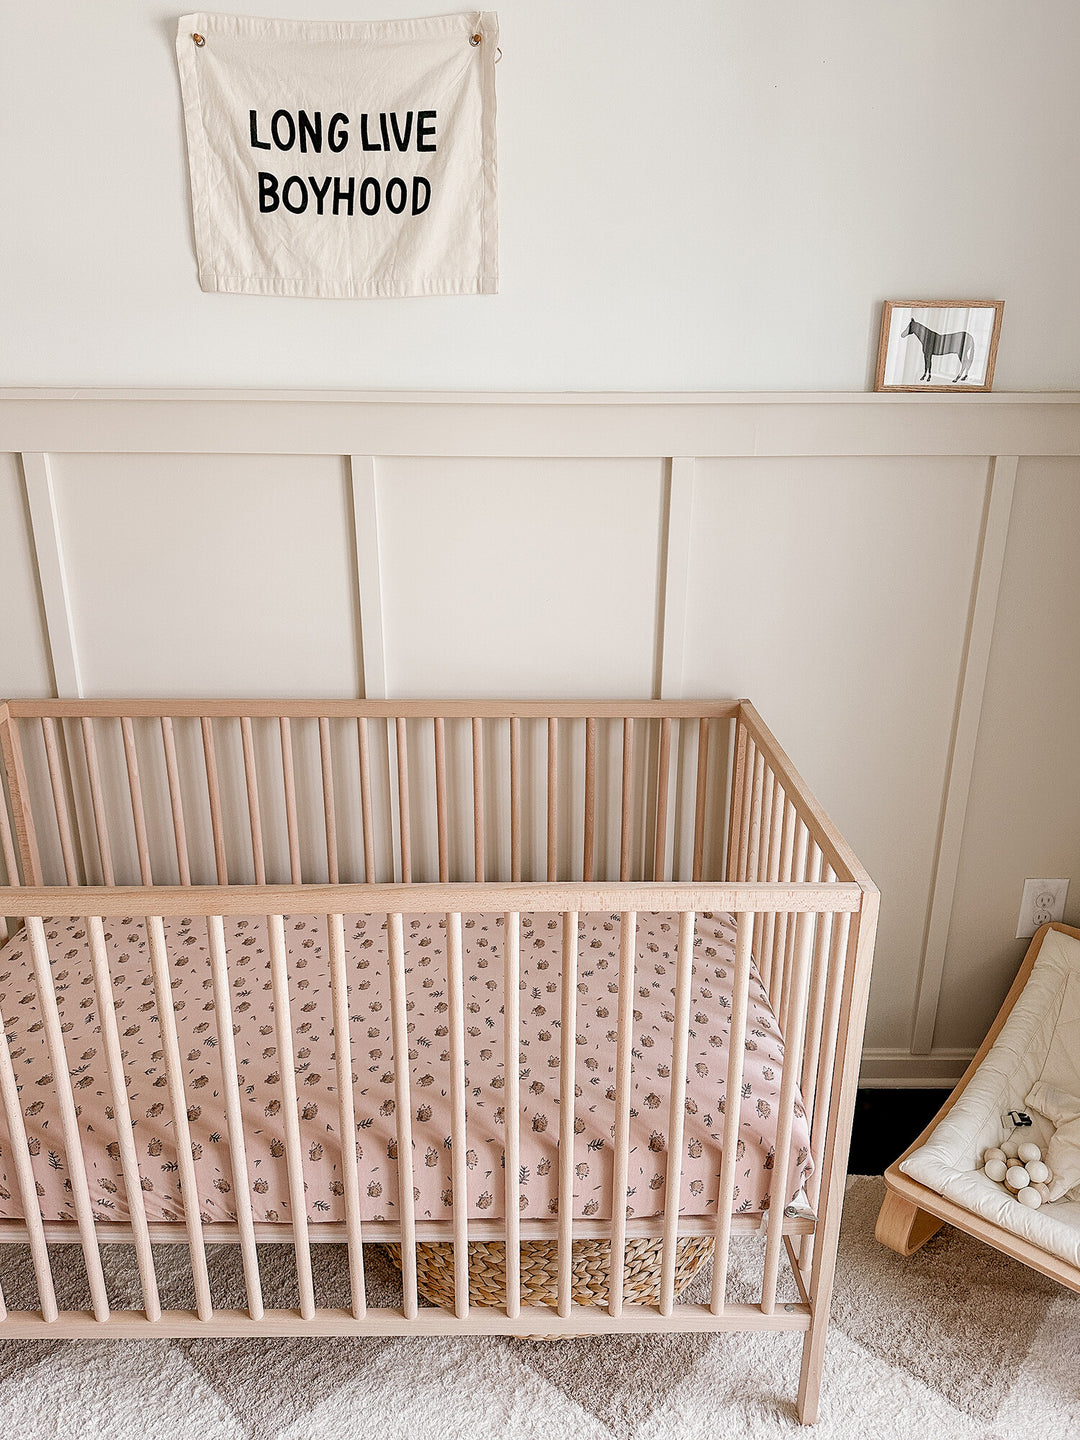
x: 440, y: 819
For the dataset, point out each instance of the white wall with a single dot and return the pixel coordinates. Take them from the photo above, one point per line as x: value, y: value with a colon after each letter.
x: 709, y: 194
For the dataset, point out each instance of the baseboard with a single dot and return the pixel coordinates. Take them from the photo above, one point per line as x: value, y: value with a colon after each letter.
x: 888, y: 1069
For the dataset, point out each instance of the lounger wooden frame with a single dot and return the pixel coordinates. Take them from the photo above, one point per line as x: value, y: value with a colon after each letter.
x: 622, y: 807
x: 911, y: 1213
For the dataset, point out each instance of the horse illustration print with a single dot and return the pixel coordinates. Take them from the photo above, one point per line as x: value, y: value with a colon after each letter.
x: 956, y: 342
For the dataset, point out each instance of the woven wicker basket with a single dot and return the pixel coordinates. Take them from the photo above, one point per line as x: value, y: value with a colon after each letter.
x: 539, y: 1270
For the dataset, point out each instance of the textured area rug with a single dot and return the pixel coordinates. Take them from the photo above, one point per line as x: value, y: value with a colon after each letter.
x: 954, y: 1343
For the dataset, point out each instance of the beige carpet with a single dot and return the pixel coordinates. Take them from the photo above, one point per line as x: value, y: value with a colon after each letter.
x: 956, y: 1343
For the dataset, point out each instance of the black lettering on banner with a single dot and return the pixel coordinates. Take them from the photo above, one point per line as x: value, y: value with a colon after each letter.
x: 373, y: 208
x: 418, y: 182
x: 309, y: 129
x: 424, y: 130
x: 401, y: 140
x: 256, y: 143
x: 397, y: 195
x: 337, y: 137
x: 382, y: 127
x: 302, y: 204
x: 288, y: 143
x: 364, y: 142
x: 268, y: 193
x: 320, y: 194
x: 349, y: 194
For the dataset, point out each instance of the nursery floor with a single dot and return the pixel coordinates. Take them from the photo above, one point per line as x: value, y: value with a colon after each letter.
x: 955, y: 1342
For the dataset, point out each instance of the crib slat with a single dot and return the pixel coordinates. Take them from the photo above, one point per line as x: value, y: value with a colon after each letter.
x: 365, y: 799
x: 740, y: 811
x: 458, y: 1151
x: 97, y: 801
x: 251, y: 780
x: 129, y: 1161
x: 626, y: 827
x: 174, y: 1072
x: 567, y: 1057
x: 756, y: 780
x: 778, y: 939
x: 7, y: 844
x: 740, y: 995
x: 623, y: 1061
x: 699, y: 802
x: 138, y: 814
x: 234, y: 1122
x: 288, y: 781
x: 403, y: 1111
x: 24, y: 1175
x: 765, y: 847
x: 677, y: 1114
x: 440, y: 799
x: 69, y: 1123
x: 403, y: 800
x: 294, y: 1164
x: 830, y: 1030
x: 176, y: 803
x: 328, y: 800
x: 552, y: 798
x: 777, y: 825
x: 335, y: 935
x: 213, y: 795
x: 60, y: 804
x: 478, y: 798
x: 515, y: 799
x: 663, y: 781
x: 512, y: 1107
x: 797, y: 872
x: 589, y: 843
x: 808, y: 1082
x: 800, y: 977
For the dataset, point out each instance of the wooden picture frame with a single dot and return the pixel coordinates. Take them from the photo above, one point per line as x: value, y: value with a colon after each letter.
x: 955, y: 345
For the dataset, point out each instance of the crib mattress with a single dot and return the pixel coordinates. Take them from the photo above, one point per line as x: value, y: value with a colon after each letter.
x: 373, y: 1076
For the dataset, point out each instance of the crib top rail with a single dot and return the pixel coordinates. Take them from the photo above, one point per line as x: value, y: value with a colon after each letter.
x: 377, y: 709
x: 427, y: 899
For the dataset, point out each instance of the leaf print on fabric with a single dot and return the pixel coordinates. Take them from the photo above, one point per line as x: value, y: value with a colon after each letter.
x: 375, y: 1095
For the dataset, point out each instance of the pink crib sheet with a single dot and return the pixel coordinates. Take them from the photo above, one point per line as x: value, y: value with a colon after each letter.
x: 370, y: 1016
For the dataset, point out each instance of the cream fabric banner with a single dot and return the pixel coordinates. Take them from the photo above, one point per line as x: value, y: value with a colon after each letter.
x: 342, y: 159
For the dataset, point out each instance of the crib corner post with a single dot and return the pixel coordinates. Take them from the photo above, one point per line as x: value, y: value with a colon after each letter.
x: 22, y: 814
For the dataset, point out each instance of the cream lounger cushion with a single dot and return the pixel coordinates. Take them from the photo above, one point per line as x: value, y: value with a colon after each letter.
x: 1039, y: 1043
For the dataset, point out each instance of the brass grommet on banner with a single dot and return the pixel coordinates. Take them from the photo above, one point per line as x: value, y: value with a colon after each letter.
x: 199, y: 39
x: 475, y: 39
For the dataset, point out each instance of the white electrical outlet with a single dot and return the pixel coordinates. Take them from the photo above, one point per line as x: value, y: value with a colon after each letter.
x: 1043, y: 900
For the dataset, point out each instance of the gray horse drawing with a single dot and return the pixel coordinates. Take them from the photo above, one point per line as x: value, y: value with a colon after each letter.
x: 957, y: 342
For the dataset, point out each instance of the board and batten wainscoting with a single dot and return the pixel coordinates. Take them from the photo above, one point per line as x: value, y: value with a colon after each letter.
x: 890, y: 577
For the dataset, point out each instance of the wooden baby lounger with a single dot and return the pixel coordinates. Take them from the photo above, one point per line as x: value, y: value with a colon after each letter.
x: 949, y: 1150
x: 556, y: 999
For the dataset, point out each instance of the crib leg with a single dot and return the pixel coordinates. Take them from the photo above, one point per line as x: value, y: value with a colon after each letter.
x: 902, y: 1226
x: 813, y: 1363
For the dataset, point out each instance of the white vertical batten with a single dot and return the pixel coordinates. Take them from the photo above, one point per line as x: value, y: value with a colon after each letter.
x: 52, y: 574
x: 986, y: 587
x: 365, y: 510
x: 675, y: 576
